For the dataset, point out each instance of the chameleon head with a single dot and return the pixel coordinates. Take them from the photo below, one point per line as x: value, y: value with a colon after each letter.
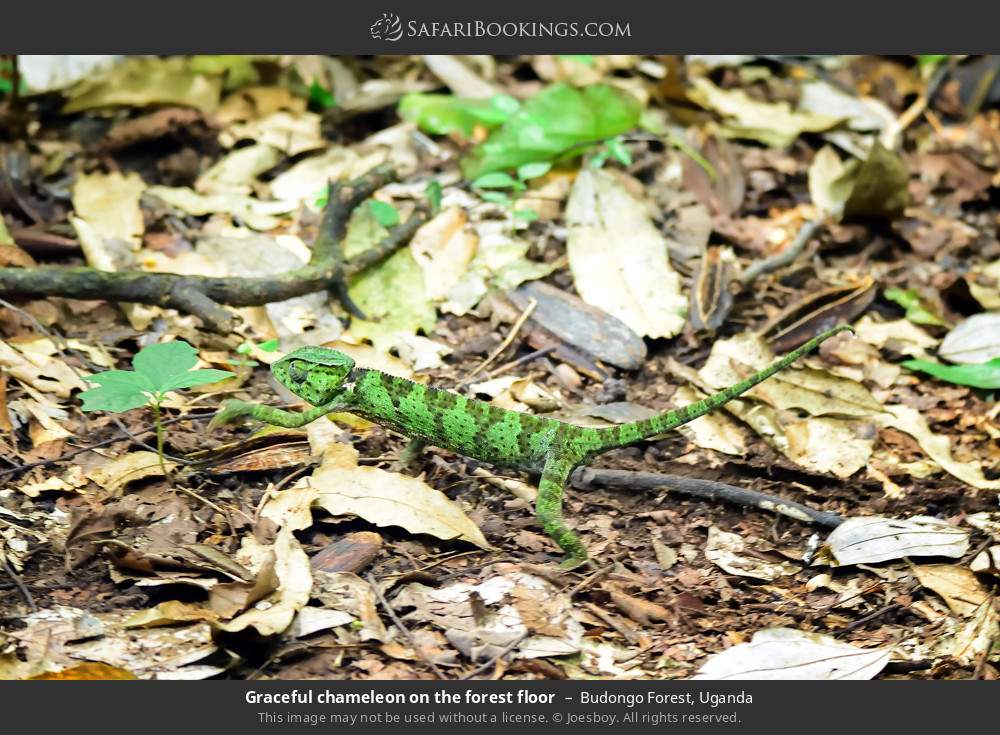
x: 314, y: 374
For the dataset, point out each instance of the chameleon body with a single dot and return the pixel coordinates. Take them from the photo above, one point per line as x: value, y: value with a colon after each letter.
x: 330, y: 381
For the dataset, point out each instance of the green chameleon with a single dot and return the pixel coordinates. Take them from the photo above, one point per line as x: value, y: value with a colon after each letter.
x: 329, y: 381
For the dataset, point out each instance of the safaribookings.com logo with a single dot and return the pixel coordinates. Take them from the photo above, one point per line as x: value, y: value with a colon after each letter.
x: 390, y: 28
x: 387, y: 28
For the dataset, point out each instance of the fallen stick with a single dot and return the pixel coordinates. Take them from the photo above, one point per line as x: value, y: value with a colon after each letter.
x: 586, y: 478
x: 203, y: 296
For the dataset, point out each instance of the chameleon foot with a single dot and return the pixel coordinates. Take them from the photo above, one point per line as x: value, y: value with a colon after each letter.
x: 230, y: 411
x: 575, y: 562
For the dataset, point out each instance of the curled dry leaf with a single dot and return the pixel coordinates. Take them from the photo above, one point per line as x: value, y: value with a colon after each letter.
x: 984, y: 285
x: 43, y: 372
x: 275, y: 613
x: 824, y: 442
x: 936, y: 446
x: 902, y: 336
x: 636, y: 283
x: 785, y: 654
x: 772, y: 123
x: 127, y: 468
x: 875, y: 539
x: 511, y: 607
x: 987, y: 561
x: 957, y: 586
x: 500, y: 263
x: 969, y: 640
x: 388, y: 498
x: 727, y: 551
x: 58, y: 638
x: 444, y: 248
x: 236, y: 172
x: 346, y: 592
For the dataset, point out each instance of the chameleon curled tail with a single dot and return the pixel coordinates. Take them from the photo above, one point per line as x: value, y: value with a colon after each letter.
x: 329, y: 381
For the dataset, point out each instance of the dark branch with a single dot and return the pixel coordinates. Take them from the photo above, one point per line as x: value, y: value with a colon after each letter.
x: 203, y: 296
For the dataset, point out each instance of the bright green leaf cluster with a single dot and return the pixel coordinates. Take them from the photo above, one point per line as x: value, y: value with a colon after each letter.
x: 985, y: 375
x: 559, y: 121
x: 444, y: 114
x: 498, y: 180
x: 159, y: 368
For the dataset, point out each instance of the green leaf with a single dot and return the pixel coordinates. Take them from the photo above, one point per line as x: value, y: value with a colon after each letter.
x: 385, y: 214
x: 585, y: 59
x: 560, y: 120
x: 925, y: 60
x: 117, y: 391
x: 496, y: 180
x: 444, y: 114
x: 199, y: 377
x: 599, y: 159
x: 244, y: 349
x: 162, y: 363
x: 984, y: 375
x: 322, y: 198
x: 496, y: 197
x: 527, y: 215
x: 269, y: 346
x: 916, y: 312
x: 618, y: 151
x: 433, y: 192
x: 533, y: 170
x: 321, y: 97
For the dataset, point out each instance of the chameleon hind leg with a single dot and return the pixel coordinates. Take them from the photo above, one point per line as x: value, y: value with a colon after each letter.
x: 548, y: 510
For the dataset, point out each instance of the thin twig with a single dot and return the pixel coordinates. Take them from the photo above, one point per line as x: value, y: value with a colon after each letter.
x: 521, y: 361
x: 19, y: 583
x: 69, y: 455
x: 417, y: 649
x: 867, y: 618
x: 532, y: 303
x: 493, y: 660
x: 786, y: 256
x: 586, y: 478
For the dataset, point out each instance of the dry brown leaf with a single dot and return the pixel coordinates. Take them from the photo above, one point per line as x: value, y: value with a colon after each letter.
x: 444, y: 248
x: 634, y: 283
x: 729, y: 552
x: 275, y: 613
x: 958, y: 586
x: 389, y: 498
x: 127, y: 468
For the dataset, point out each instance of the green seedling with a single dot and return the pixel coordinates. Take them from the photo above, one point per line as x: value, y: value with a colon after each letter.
x: 385, y: 214
x: 612, y: 148
x: 158, y: 369
x: 247, y: 347
x: 320, y: 97
x: 503, y: 189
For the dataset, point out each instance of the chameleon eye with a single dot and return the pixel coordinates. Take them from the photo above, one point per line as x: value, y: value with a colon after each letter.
x: 297, y: 374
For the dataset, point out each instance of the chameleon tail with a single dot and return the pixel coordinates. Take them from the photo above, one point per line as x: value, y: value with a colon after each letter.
x: 626, y: 434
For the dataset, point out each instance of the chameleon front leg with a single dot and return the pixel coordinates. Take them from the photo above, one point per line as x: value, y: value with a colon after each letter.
x: 233, y: 409
x: 548, y: 510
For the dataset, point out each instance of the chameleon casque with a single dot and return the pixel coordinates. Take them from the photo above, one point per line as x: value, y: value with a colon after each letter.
x: 329, y: 380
